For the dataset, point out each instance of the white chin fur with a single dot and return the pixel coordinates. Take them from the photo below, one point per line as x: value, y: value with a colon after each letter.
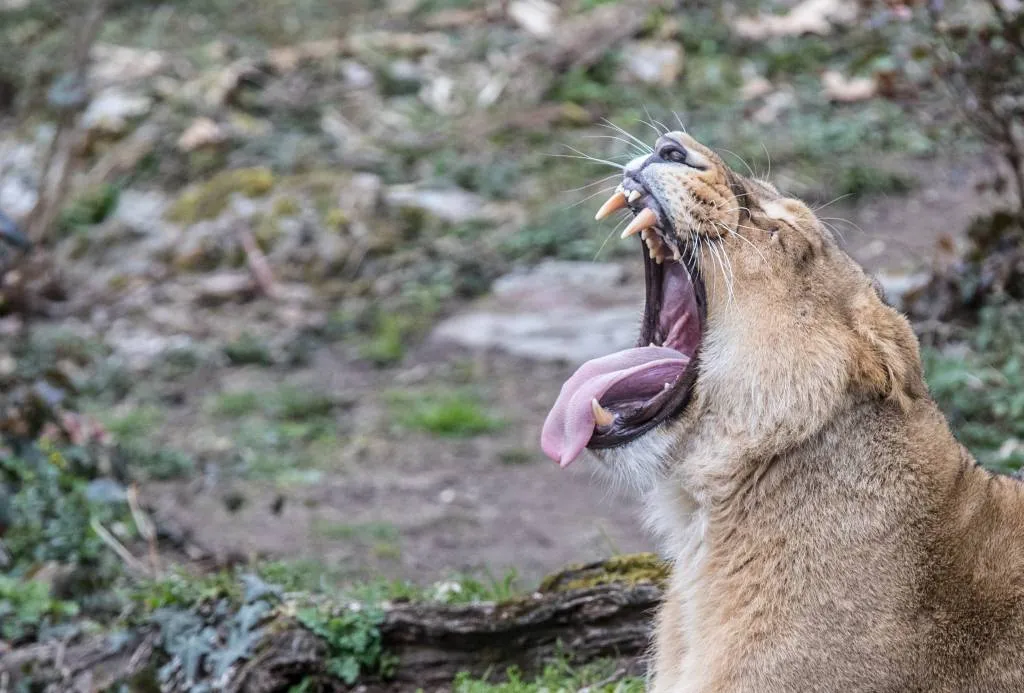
x: 637, y: 465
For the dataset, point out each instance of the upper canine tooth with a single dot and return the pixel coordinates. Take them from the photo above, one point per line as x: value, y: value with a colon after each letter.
x: 616, y: 202
x: 633, y: 196
x: 644, y: 219
x: 602, y: 417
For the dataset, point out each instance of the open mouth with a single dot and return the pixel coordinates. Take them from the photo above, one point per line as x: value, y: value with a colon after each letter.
x: 614, y: 399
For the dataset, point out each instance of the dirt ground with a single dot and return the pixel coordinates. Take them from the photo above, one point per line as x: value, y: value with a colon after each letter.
x: 411, y: 505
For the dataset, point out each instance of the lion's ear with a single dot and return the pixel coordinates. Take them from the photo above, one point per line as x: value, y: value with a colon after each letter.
x: 887, y: 361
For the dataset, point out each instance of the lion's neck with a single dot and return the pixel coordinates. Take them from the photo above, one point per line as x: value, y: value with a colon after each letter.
x: 874, y: 488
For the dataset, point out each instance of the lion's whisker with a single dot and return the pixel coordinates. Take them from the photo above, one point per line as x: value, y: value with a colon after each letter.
x: 609, y: 124
x: 592, y: 183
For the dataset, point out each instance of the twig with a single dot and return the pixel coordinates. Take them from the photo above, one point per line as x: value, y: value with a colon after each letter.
x: 258, y: 264
x: 60, y: 152
x: 123, y: 553
x: 145, y: 527
x: 616, y: 676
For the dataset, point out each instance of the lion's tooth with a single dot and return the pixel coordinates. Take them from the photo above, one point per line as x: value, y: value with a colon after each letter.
x: 643, y: 220
x: 602, y: 417
x: 616, y: 202
x: 633, y: 196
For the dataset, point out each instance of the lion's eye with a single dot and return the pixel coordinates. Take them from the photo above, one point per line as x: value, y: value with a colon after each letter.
x: 674, y: 154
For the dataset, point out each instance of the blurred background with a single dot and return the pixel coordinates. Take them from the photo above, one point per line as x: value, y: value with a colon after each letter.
x: 287, y: 288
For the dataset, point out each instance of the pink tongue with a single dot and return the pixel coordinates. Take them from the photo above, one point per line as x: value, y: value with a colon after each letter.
x: 632, y: 375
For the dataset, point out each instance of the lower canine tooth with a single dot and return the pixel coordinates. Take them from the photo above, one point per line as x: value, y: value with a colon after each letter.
x: 602, y: 417
x: 633, y: 196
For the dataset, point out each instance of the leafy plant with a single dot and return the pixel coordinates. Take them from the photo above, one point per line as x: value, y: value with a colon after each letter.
x: 353, y: 638
x: 979, y: 384
x: 25, y: 606
x: 51, y: 508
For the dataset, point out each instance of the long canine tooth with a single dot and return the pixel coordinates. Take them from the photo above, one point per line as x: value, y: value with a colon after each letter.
x: 633, y: 196
x: 616, y: 202
x: 643, y: 220
x: 602, y: 417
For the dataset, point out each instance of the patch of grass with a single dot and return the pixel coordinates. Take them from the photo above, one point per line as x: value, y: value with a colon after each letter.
x: 235, y: 404
x: 516, y: 456
x: 361, y: 532
x: 856, y: 181
x: 386, y: 345
x: 151, y: 461
x: 297, y: 404
x: 136, y: 424
x: 248, y: 350
x: 300, y: 575
x: 453, y: 413
x: 181, y: 589
x: 468, y: 589
x: 557, y: 677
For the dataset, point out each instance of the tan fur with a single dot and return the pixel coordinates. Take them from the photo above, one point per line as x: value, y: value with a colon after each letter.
x: 828, y: 533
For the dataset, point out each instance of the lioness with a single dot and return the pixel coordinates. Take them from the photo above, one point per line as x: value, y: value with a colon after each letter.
x: 827, y: 532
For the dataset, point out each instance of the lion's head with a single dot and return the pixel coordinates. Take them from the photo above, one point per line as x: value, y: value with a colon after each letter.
x: 758, y: 328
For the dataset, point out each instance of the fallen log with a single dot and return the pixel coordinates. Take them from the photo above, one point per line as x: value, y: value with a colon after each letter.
x: 600, y: 610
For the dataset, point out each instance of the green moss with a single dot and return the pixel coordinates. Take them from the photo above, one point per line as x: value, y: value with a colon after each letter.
x: 208, y: 200
x: 630, y: 569
x: 286, y: 206
x: 336, y: 219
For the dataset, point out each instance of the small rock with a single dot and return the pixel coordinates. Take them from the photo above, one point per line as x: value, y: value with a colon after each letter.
x: 897, y: 286
x: 356, y: 75
x: 226, y: 83
x: 558, y: 311
x: 225, y: 287
x: 112, y: 64
x: 362, y: 196
x: 141, y: 212
x: 202, y: 132
x: 755, y: 88
x: 112, y: 109
x: 774, y: 105
x: 536, y: 17
x: 807, y: 17
x: 843, y: 89
x: 653, y: 62
x: 453, y: 206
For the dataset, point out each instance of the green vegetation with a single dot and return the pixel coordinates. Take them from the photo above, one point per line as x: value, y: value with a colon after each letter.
x: 89, y: 208
x: 450, y: 413
x: 26, y: 606
x: 209, y: 199
x: 352, y: 637
x: 557, y: 677
x: 248, y: 349
x: 386, y: 343
x: 979, y: 384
